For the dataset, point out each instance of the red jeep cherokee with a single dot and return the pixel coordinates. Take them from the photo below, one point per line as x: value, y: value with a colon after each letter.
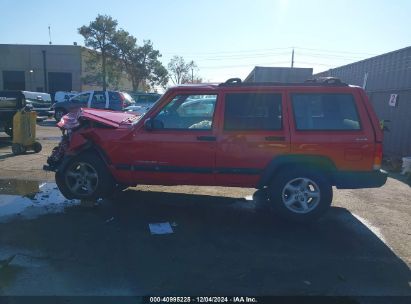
x: 294, y: 140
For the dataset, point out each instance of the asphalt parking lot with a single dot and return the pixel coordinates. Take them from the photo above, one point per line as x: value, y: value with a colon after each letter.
x: 220, y: 242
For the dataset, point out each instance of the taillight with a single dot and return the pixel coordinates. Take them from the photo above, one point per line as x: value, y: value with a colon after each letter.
x: 122, y: 98
x: 377, y: 156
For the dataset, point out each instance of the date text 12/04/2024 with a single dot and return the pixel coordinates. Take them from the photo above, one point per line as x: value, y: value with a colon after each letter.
x: 202, y: 300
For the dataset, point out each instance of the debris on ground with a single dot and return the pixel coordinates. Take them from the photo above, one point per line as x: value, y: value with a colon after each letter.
x: 110, y: 220
x: 160, y: 228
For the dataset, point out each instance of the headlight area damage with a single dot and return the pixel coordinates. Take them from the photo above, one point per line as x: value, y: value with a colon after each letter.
x: 79, y: 131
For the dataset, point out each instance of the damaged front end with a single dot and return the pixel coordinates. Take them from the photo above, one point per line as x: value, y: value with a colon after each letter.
x: 80, y: 130
x: 67, y: 125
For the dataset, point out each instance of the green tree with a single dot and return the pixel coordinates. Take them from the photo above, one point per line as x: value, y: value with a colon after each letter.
x: 180, y: 71
x: 141, y: 62
x: 94, y: 71
x: 98, y: 35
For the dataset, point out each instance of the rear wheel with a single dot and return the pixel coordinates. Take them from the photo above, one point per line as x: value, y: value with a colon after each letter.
x: 85, y: 177
x: 18, y: 149
x: 300, y: 195
x: 37, y: 147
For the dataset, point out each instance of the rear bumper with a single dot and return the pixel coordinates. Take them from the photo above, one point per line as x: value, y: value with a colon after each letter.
x: 361, y: 179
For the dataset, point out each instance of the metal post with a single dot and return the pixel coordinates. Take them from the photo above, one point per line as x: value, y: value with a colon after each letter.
x: 292, y: 59
x: 45, y: 71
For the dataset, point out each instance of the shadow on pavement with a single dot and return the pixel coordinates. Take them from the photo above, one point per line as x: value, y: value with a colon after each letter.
x: 5, y: 140
x: 219, y: 246
x: 47, y: 123
x: 406, y: 179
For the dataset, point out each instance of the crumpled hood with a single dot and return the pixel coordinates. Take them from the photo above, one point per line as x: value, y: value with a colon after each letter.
x: 105, y: 117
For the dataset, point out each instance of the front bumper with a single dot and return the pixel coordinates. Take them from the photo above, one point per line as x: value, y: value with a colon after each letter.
x: 360, y: 179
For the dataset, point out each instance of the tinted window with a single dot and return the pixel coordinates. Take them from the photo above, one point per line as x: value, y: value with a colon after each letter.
x: 115, y: 103
x: 325, y: 112
x: 99, y: 100
x: 252, y: 111
x: 81, y: 99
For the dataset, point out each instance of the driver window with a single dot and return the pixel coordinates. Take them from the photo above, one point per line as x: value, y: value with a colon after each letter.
x: 193, y: 112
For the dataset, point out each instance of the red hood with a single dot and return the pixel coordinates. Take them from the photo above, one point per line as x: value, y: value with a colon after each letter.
x: 109, y: 118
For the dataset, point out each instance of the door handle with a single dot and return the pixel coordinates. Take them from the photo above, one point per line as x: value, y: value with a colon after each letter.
x: 275, y: 138
x: 207, y: 138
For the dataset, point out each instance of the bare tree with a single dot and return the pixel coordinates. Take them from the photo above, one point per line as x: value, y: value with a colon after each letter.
x: 180, y: 71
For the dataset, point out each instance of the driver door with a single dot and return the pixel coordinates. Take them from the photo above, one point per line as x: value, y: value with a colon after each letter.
x: 181, y: 146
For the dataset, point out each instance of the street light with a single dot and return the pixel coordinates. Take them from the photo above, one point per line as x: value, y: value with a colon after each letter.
x: 31, y: 80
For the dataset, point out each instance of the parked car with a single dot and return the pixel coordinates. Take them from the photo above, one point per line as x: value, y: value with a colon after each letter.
x: 143, y: 102
x: 10, y: 103
x: 112, y: 100
x: 138, y: 110
x: 145, y: 98
x: 64, y: 96
x: 292, y: 141
x: 40, y: 103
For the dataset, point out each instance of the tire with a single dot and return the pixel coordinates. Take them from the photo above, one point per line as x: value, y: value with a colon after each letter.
x: 18, y: 149
x: 8, y: 129
x: 85, y: 177
x: 300, y: 195
x: 37, y: 147
x: 59, y: 113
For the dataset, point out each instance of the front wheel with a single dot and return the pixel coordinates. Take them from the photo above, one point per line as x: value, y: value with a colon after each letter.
x: 85, y: 177
x: 300, y: 195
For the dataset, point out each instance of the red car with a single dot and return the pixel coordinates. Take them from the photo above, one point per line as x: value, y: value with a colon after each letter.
x: 295, y: 141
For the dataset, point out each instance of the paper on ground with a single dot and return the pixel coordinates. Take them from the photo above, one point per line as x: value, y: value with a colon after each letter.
x: 160, y: 228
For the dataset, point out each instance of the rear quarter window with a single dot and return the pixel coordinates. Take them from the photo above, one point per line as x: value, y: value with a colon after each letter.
x: 252, y: 111
x: 328, y: 112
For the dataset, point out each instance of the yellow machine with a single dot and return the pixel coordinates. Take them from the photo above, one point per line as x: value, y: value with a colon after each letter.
x: 24, y: 132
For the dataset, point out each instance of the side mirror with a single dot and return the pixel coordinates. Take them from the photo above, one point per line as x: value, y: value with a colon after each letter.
x: 148, y: 124
x: 153, y: 124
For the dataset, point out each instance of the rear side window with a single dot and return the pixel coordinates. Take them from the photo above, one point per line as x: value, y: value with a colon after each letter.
x: 115, y: 103
x: 325, y: 112
x: 252, y: 111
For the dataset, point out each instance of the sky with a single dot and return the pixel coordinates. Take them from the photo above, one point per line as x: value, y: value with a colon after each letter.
x: 227, y: 38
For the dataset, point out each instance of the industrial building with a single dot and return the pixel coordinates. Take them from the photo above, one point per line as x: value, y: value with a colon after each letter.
x: 279, y: 74
x: 47, y: 68
x: 387, y: 81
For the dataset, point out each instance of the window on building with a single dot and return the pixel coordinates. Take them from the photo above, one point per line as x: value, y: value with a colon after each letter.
x: 325, y: 112
x: 252, y: 111
x: 14, y: 80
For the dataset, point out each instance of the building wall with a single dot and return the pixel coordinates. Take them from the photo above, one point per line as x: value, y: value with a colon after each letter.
x: 26, y: 58
x: 397, y: 141
x: 386, y: 74
x: 60, y: 59
x: 279, y: 74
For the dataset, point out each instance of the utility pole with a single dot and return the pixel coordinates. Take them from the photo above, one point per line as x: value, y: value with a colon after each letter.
x: 49, y: 35
x: 292, y: 59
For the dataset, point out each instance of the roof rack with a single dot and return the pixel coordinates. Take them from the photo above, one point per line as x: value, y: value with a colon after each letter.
x: 320, y: 81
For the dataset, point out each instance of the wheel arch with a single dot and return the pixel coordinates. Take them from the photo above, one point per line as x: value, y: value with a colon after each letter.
x: 88, y: 147
x: 309, y: 162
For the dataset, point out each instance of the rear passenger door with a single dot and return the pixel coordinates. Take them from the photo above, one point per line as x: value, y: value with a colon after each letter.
x: 99, y: 100
x: 254, y: 130
x: 333, y: 124
x: 115, y: 101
